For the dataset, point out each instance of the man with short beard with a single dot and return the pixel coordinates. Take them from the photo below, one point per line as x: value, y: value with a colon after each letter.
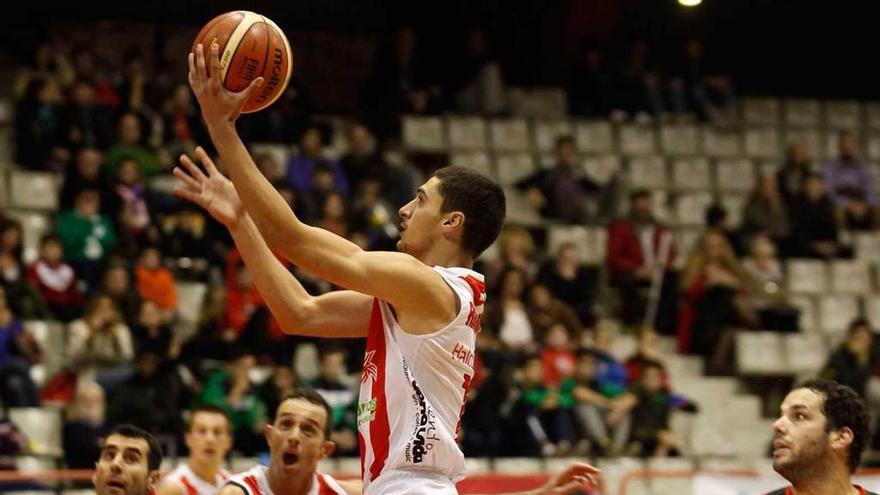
x: 819, y: 439
x: 129, y: 463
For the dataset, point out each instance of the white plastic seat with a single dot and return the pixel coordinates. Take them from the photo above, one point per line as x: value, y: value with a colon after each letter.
x: 579, y: 236
x: 423, y: 133
x: 872, y: 308
x: 867, y: 247
x: 680, y: 139
x: 690, y: 208
x: 836, y: 311
x: 637, y: 139
x: 509, y: 135
x: 691, y: 173
x: 191, y: 297
x: 594, y: 137
x: 807, y: 353
x: 279, y: 152
x: 734, y: 204
x: 760, y: 353
x: 806, y: 276
x: 843, y: 114
x: 546, y: 133
x: 872, y: 113
x: 761, y: 111
x: 42, y: 425
x: 466, y: 132
x: 735, y: 174
x: 721, y: 143
x: 478, y: 161
x: 601, y: 168
x: 33, y: 190
x: 512, y: 167
x: 874, y: 146
x: 762, y: 142
x: 812, y: 137
x: 850, y: 277
x: 802, y: 112
x: 648, y: 172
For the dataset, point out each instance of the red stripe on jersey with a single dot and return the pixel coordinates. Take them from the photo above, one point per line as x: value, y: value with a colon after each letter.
x: 323, y: 487
x: 190, y: 489
x: 380, y: 433
x: 478, y: 287
x: 253, y: 485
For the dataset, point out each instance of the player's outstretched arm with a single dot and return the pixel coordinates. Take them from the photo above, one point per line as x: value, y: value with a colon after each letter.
x: 398, y: 278
x: 576, y: 478
x: 336, y: 314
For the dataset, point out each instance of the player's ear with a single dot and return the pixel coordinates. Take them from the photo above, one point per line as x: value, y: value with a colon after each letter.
x: 267, y: 431
x: 454, y: 220
x: 842, y: 438
x: 327, y: 449
x: 152, y: 479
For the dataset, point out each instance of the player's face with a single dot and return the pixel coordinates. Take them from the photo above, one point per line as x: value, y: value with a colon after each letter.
x: 122, y: 468
x: 208, y: 438
x: 800, y: 440
x: 296, y: 440
x: 420, y: 219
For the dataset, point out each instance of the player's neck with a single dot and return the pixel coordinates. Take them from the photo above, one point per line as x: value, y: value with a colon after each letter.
x: 440, y: 257
x: 294, y: 484
x: 206, y: 470
x: 830, y: 480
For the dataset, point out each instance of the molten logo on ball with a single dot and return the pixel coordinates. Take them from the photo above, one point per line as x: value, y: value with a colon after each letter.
x: 274, y: 79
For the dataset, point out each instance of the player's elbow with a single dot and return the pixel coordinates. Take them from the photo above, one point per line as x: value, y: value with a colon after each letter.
x: 298, y: 319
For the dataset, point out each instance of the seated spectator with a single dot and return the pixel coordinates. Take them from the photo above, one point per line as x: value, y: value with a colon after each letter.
x: 151, y: 399
x: 698, y: 91
x: 570, y: 281
x: 718, y: 220
x: 516, y: 250
x: 86, y: 174
x: 507, y: 312
x: 815, y: 225
x: 87, y: 123
x: 594, y: 401
x: 557, y: 356
x: 590, y: 85
x: 39, y: 139
x: 853, y: 362
x: 87, y: 235
x: 156, y: 282
x: 152, y: 334
x: 116, y: 284
x: 282, y: 383
x: 23, y: 297
x: 792, y: 177
x: 331, y: 383
x: 19, y: 350
x: 479, y: 81
x: 188, y: 233
x: 130, y: 144
x: 848, y: 173
x: 84, y: 426
x: 183, y: 126
x: 768, y: 290
x: 362, y: 160
x: 373, y: 216
x: 857, y: 213
x: 716, y: 290
x: 611, y: 371
x: 649, y: 407
x: 765, y: 213
x: 301, y: 168
x: 640, y: 256
x: 545, y: 312
x: 48, y: 62
x: 132, y: 212
x: 333, y: 215
x: 639, y: 93
x: 561, y: 192
x: 242, y: 295
x: 99, y: 345
x: 232, y: 390
x: 546, y: 412
x: 648, y: 351
x: 56, y: 280
x: 214, y: 338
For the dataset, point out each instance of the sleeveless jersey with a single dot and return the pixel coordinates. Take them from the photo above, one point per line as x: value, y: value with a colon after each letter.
x: 255, y: 482
x: 414, y: 387
x: 191, y: 484
x: 789, y: 491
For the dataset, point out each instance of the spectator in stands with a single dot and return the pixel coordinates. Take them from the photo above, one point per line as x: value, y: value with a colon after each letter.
x: 765, y: 213
x: 232, y: 390
x: 374, y: 216
x: 116, y: 284
x: 152, y: 334
x: 24, y: 298
x: 480, y: 83
x: 38, y: 127
x: 718, y: 220
x: 640, y: 256
x: 857, y: 213
x: 131, y: 144
x: 853, y: 362
x: 648, y: 351
x: 815, y: 224
x: 86, y: 122
x: 594, y: 401
x: 243, y: 298
x: 561, y: 192
x: 715, y: 289
x: 590, y: 85
x: 19, y: 350
x: 182, y: 123
x: 545, y: 312
x: 214, y: 338
x: 639, y: 92
x: 649, y: 407
x: 86, y: 175
x: 570, y: 281
x: 48, y: 62
x: 302, y: 168
x: 848, y: 173
x: 507, y: 312
x: 87, y: 235
x: 363, y: 161
x: 281, y: 384
x: 156, y: 283
x: 56, y: 280
x: 191, y: 237
x: 333, y: 214
x: 130, y: 204
x: 547, y: 412
x: 694, y: 89
x: 557, y: 356
x: 99, y: 345
x: 768, y: 289
x: 611, y: 370
x: 271, y: 168
x: 84, y: 426
x: 341, y: 396
x: 516, y: 250
x: 151, y: 399
x: 792, y: 177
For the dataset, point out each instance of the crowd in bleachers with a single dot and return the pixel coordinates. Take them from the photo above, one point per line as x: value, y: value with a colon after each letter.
x: 156, y: 313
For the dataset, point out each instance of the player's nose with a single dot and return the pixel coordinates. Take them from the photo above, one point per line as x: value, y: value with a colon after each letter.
x: 779, y: 425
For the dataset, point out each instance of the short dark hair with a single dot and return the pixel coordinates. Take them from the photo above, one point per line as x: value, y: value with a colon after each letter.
x: 564, y: 139
x: 480, y: 199
x: 843, y: 408
x: 208, y: 409
x: 639, y: 194
x: 49, y: 237
x: 856, y: 324
x: 154, y: 456
x: 715, y: 214
x: 312, y: 396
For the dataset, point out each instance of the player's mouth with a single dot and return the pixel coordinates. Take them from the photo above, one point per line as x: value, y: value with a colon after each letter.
x: 289, y: 459
x: 116, y: 484
x: 779, y: 445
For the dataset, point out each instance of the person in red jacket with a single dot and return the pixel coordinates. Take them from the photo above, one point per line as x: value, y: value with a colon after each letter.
x: 56, y: 280
x: 641, y: 251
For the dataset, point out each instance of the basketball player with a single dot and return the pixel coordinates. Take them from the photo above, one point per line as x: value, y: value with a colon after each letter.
x: 419, y: 308
x: 819, y: 438
x: 129, y: 463
x: 208, y: 439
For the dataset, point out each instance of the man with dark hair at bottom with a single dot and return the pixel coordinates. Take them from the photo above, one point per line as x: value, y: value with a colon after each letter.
x: 129, y: 463
x: 208, y: 438
x: 819, y: 439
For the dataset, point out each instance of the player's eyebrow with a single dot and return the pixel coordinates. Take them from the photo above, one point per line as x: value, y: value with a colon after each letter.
x: 796, y: 407
x: 422, y: 191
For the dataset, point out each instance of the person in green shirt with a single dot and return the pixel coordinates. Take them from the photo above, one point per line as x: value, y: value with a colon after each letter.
x: 649, y: 406
x: 548, y: 410
x: 129, y: 146
x: 87, y: 235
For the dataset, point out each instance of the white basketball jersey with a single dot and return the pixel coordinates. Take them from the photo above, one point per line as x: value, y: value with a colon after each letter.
x: 414, y: 387
x: 191, y: 484
x: 255, y: 482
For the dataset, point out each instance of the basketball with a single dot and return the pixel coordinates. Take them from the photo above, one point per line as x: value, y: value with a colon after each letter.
x: 251, y: 46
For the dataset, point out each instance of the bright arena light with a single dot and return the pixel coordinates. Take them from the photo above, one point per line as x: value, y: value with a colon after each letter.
x: 690, y: 3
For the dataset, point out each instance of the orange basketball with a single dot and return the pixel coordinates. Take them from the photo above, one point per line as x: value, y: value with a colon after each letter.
x: 251, y: 46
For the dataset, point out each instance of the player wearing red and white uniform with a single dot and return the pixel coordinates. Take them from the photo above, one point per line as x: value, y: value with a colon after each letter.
x: 208, y: 439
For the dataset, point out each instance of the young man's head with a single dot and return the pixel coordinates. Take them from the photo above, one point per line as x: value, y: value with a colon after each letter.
x: 455, y: 206
x: 859, y: 336
x: 652, y: 377
x: 533, y: 371
x: 208, y: 435
x: 51, y: 249
x: 587, y: 365
x: 129, y: 463
x: 566, y: 155
x: 300, y: 435
x: 87, y: 202
x: 640, y: 205
x: 814, y: 187
x: 823, y: 424
x: 557, y: 337
x: 847, y: 144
